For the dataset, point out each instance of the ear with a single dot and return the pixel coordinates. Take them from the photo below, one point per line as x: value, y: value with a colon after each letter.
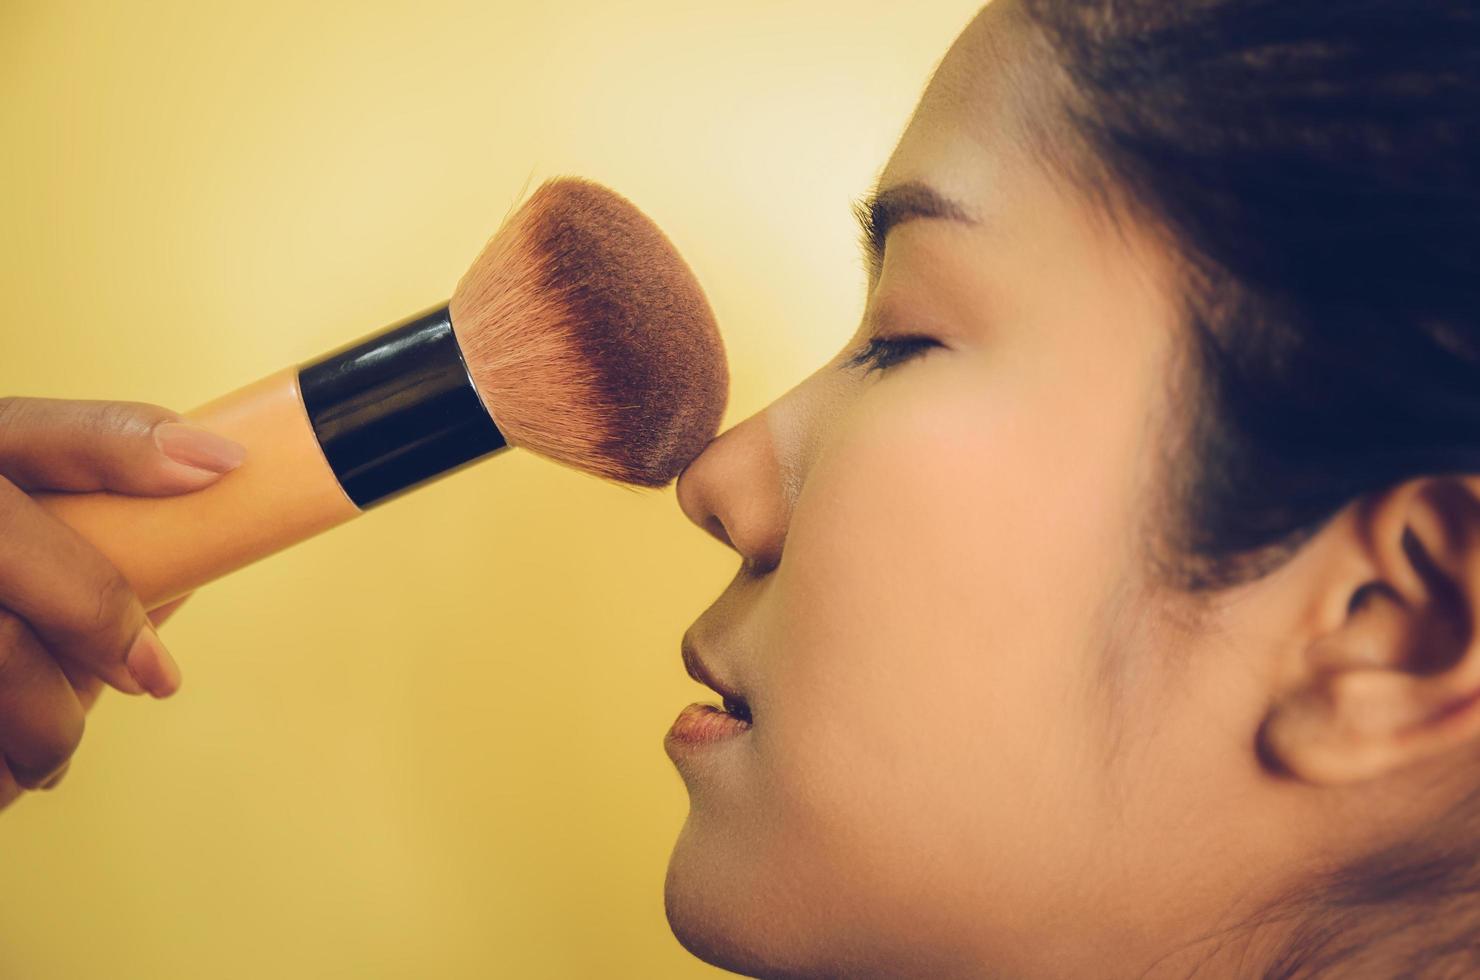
x: 1389, y: 675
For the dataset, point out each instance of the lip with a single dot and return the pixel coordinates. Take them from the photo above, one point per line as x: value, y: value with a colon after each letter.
x: 699, y: 725
x: 699, y: 671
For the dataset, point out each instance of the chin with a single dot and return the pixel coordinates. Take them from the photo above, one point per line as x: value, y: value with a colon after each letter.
x: 722, y: 924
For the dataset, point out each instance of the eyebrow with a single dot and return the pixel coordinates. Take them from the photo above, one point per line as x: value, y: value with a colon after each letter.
x: 884, y: 209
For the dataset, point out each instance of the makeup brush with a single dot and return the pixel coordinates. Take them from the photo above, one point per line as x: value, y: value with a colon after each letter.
x: 579, y: 334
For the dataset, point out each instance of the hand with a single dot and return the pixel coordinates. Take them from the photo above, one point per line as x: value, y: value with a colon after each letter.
x: 69, y: 622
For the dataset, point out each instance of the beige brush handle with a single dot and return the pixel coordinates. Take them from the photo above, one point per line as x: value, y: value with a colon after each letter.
x: 284, y: 493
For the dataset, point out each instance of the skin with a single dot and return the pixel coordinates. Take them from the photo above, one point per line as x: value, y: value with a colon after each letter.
x: 985, y: 741
x: 69, y: 621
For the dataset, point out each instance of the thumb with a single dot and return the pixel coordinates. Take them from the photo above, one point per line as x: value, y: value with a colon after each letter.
x: 126, y: 447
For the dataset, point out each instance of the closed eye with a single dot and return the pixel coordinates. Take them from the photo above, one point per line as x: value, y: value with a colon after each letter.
x: 883, y: 353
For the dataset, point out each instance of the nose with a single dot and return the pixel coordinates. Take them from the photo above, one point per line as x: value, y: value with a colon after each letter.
x: 734, y: 490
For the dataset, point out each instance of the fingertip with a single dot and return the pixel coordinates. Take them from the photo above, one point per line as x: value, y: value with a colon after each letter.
x: 151, y: 664
x: 30, y: 779
x: 56, y: 777
x: 174, y: 477
x: 122, y: 677
x: 198, y: 449
x: 125, y: 682
x: 10, y: 790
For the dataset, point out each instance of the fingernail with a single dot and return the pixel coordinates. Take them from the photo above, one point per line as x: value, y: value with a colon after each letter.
x: 34, y: 779
x: 56, y: 777
x: 152, y: 665
x: 191, y: 445
x: 126, y: 682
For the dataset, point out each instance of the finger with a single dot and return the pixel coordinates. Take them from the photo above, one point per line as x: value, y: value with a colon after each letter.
x: 58, y: 776
x: 85, y: 684
x: 76, y: 600
x: 41, y: 720
x: 127, y: 447
x: 9, y: 790
x: 158, y: 615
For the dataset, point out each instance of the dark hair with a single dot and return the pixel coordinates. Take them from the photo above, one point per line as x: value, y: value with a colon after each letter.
x: 1316, y: 164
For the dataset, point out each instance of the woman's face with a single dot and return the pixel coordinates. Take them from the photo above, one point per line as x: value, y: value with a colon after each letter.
x: 968, y: 746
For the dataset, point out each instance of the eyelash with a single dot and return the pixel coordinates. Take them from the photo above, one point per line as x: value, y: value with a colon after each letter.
x: 883, y: 353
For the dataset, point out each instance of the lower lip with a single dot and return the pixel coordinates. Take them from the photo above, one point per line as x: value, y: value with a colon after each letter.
x: 704, y: 724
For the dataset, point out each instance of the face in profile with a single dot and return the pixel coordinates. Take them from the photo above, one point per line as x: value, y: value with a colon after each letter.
x: 967, y: 735
x: 938, y: 539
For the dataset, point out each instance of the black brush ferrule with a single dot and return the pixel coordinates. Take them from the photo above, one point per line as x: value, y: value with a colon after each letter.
x: 397, y: 408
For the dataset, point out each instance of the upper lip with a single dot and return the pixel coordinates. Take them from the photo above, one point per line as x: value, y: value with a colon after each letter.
x: 699, y: 671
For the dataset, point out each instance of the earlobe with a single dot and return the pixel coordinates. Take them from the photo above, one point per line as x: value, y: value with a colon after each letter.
x: 1394, y: 681
x: 1363, y: 723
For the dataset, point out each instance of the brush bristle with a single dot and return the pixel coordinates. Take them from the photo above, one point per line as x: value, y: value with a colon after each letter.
x: 590, y: 340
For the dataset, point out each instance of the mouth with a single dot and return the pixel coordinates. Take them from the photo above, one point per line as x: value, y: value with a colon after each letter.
x: 737, y: 708
x: 703, y: 724
x: 734, y: 703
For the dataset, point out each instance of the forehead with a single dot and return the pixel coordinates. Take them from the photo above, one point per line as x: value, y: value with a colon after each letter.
x: 979, y: 57
x: 970, y: 127
x: 988, y: 133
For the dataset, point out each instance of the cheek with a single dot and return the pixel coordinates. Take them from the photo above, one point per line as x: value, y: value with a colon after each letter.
x: 930, y: 631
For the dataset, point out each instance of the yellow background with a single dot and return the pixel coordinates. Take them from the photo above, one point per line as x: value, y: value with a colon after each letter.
x: 427, y: 744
